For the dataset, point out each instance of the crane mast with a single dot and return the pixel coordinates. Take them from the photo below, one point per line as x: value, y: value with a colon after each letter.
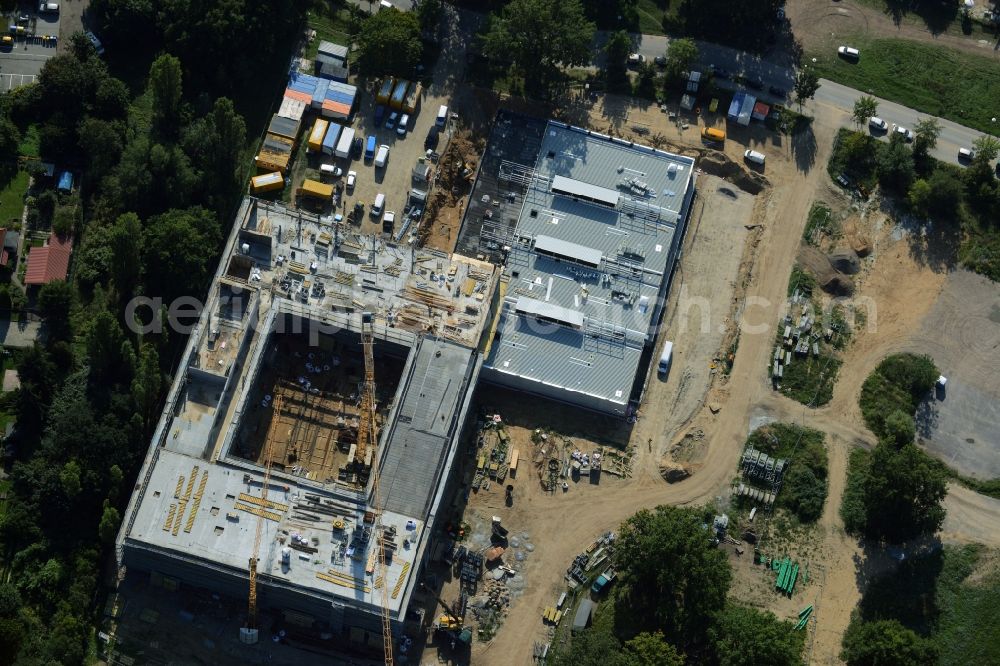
x: 249, y: 634
x: 364, y: 455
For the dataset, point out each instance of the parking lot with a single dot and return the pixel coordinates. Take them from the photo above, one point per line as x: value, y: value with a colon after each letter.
x: 395, y: 180
x: 35, y: 42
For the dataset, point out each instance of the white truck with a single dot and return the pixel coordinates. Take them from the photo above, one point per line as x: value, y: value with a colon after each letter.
x: 381, y: 156
x: 666, y: 357
x: 344, y: 143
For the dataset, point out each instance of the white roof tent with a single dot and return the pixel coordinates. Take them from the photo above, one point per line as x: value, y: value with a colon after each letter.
x: 549, y: 312
x: 603, y: 196
x: 560, y: 249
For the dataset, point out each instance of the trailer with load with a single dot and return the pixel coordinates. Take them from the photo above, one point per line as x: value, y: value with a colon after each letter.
x: 385, y: 90
x: 603, y: 581
x: 412, y: 100
x: 331, y: 138
x: 315, y: 189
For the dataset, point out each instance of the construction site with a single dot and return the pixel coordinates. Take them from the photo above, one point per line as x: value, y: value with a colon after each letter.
x: 307, y: 448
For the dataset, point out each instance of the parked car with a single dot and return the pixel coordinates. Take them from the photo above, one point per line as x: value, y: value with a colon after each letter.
x: 352, y: 178
x: 379, y: 115
x: 721, y: 73
x: 357, y: 146
x: 778, y: 92
x: 330, y: 171
x: 391, y: 121
x: 849, y: 52
x: 95, y: 41
x: 660, y: 61
x: 877, y: 123
x: 966, y: 154
x: 48, y: 7
x: 754, y: 156
x: 903, y: 132
x: 403, y: 124
x: 754, y: 82
x: 636, y: 59
x: 431, y: 141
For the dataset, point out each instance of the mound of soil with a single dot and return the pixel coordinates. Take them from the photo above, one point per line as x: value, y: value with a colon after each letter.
x: 673, y: 472
x: 856, y: 240
x: 838, y: 285
x: 845, y: 261
x: 718, y: 164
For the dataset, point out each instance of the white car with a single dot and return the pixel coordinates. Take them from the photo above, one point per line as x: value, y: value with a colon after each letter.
x: 352, y: 178
x: 403, y: 125
x: 636, y: 59
x: 50, y: 7
x: 754, y: 156
x: 903, y: 132
x: 95, y: 41
x: 877, y: 123
x: 966, y: 154
x: 849, y: 52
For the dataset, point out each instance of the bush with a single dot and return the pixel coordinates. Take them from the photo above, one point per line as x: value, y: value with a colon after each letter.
x: 804, y: 489
x: 899, y: 383
x: 852, y: 503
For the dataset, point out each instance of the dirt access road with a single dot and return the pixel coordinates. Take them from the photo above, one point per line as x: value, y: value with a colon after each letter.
x: 905, y: 290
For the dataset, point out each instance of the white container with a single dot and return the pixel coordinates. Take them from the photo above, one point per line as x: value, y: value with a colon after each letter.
x: 344, y: 144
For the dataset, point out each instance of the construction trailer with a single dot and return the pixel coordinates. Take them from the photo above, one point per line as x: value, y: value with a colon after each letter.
x: 317, y: 134
x: 385, y: 90
x: 268, y: 182
x: 412, y: 100
x: 316, y: 189
x: 399, y: 95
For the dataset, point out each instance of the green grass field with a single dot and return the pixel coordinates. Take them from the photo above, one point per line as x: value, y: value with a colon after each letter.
x: 651, y: 15
x: 12, y: 197
x: 932, y: 79
x: 332, y: 27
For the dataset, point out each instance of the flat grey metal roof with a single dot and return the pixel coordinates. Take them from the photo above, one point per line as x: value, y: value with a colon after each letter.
x: 593, y: 247
x: 331, y: 49
x: 423, y: 424
x: 563, y: 248
x: 532, y: 306
x: 604, y: 195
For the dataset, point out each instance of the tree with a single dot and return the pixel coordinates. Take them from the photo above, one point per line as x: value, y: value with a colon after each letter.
x: 429, y: 14
x: 894, y: 165
x: 165, y: 85
x: 681, y: 54
x: 10, y: 136
x: 69, y: 479
x: 939, y: 197
x: 112, y: 99
x: 677, y: 598
x: 535, y: 37
x: 147, y: 387
x: 126, y: 252
x: 864, y: 109
x: 108, y: 528
x: 987, y: 148
x: 64, y: 220
x: 927, y: 131
x: 748, y: 25
x: 169, y: 273
x: 55, y: 303
x: 617, y: 50
x: 903, y: 493
x: 806, y: 493
x: 805, y: 86
x: 611, y: 13
x: 885, y: 643
x: 901, y: 429
x: 744, y: 636
x: 389, y: 43
x: 102, y: 143
x: 650, y: 649
x: 104, y: 343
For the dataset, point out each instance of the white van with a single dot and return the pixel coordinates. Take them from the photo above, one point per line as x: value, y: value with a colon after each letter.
x: 376, y: 211
x: 330, y: 171
x: 442, y: 116
x: 877, y: 123
x: 754, y: 156
x: 666, y: 357
x: 382, y: 155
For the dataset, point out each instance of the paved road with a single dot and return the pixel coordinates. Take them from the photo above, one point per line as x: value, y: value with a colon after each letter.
x: 779, y: 71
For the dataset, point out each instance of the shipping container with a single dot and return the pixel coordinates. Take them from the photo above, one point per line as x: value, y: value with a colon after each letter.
x: 316, y: 135
x: 399, y: 94
x: 385, y: 92
x: 412, y: 101
x: 330, y: 141
x: 344, y: 144
x: 314, y: 188
x: 267, y: 182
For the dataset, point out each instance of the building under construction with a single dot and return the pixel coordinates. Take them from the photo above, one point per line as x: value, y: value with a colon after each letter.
x: 272, y: 386
x: 308, y: 438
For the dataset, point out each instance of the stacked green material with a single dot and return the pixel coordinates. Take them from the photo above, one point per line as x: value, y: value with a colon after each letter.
x: 804, y: 616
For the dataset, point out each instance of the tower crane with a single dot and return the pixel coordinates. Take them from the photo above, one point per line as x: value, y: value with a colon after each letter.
x: 249, y: 633
x: 364, y: 459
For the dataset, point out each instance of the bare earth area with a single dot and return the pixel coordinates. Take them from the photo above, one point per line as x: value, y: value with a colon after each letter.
x: 818, y: 23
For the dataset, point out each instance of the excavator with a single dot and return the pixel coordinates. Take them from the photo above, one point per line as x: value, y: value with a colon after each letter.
x: 448, y: 624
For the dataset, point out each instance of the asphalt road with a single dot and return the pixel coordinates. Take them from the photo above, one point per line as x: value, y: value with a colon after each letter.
x: 779, y: 72
x: 24, y: 61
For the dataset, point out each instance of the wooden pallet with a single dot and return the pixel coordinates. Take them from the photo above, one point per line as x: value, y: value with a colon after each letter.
x: 257, y: 511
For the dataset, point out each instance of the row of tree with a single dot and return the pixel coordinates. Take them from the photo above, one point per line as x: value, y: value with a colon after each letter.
x: 162, y: 172
x: 670, y: 603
